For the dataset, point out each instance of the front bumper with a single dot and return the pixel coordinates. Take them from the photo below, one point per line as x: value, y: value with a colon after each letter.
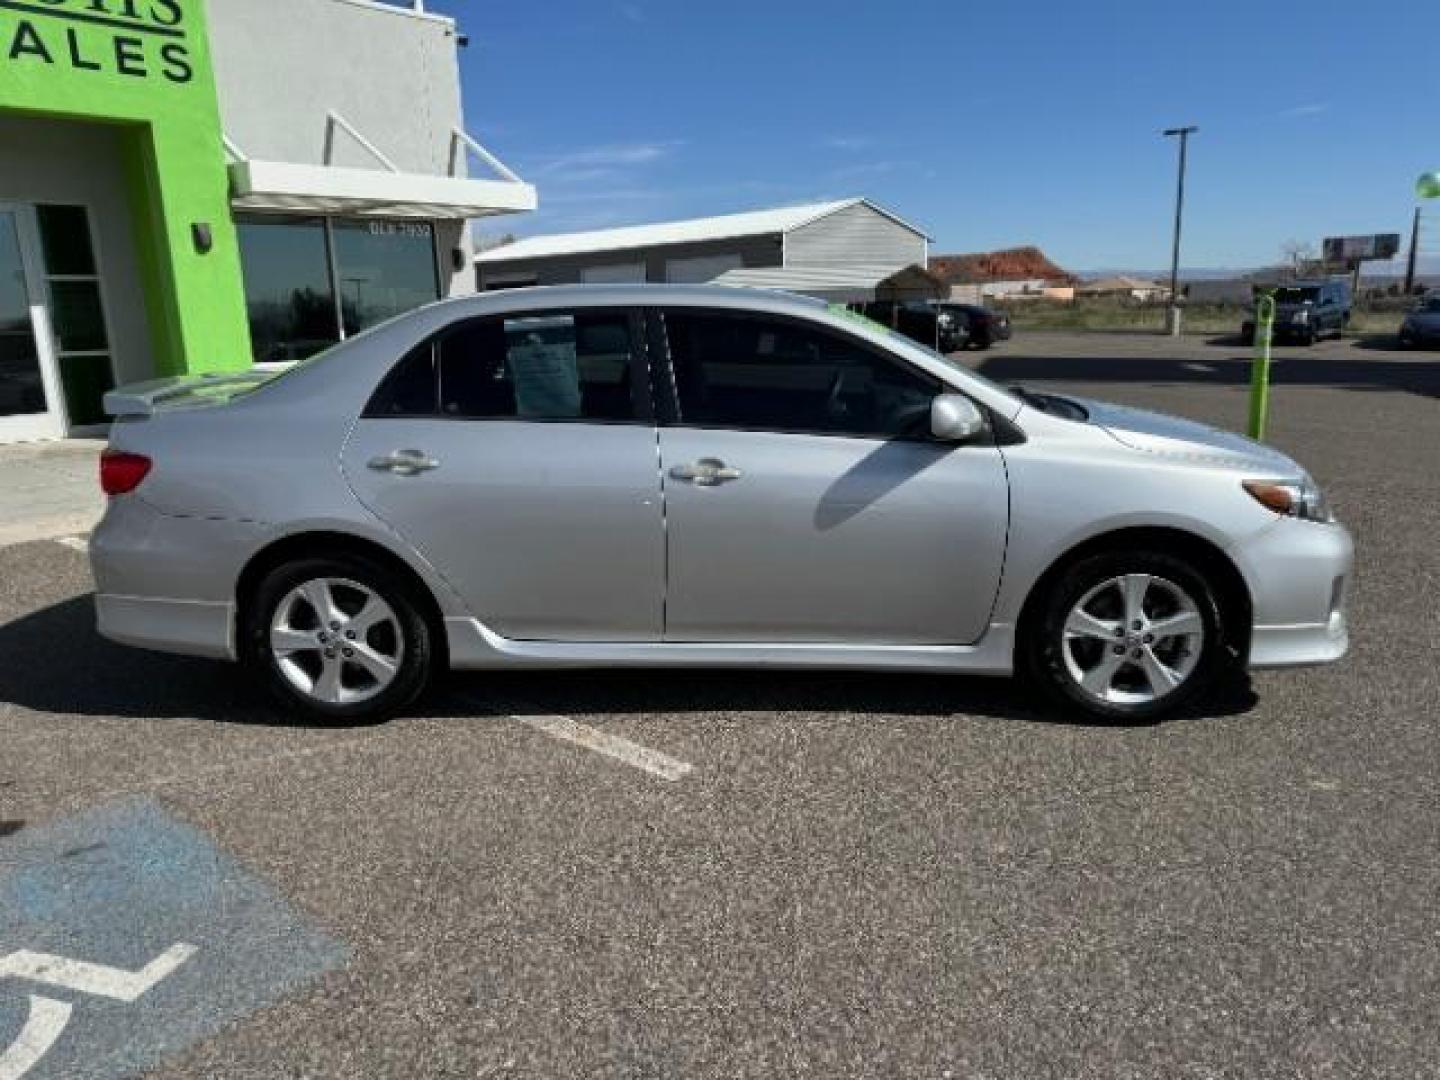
x: 1299, y: 574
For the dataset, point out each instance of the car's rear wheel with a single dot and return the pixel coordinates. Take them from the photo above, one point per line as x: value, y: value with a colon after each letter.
x: 338, y: 639
x: 1127, y: 637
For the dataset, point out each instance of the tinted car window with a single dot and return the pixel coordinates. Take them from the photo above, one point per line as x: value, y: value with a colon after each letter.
x: 554, y: 366
x: 411, y: 388
x: 760, y: 374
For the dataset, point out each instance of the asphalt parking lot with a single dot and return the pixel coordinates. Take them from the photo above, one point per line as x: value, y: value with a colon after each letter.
x: 754, y: 875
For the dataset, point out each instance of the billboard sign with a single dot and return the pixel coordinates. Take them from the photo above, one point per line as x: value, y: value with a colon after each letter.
x: 1354, y: 249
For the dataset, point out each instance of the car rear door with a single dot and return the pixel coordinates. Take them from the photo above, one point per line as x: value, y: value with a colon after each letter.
x: 805, y: 501
x: 517, y: 455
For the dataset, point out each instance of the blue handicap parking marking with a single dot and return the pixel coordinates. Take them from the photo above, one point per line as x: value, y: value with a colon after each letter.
x: 127, y: 936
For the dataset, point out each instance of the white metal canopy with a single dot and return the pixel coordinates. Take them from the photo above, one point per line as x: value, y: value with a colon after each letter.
x: 383, y: 192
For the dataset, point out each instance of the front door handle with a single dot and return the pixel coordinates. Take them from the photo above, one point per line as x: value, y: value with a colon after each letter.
x: 405, y: 463
x: 707, y: 472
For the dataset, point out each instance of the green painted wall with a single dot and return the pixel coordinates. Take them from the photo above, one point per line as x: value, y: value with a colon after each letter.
x: 146, y: 64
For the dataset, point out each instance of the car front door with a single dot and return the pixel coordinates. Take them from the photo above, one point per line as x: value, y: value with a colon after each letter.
x: 517, y: 455
x: 805, y: 501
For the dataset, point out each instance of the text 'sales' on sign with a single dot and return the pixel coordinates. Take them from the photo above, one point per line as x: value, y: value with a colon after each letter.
x: 137, y: 39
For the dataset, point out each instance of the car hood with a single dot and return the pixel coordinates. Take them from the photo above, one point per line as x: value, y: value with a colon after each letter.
x: 1428, y: 320
x: 1159, y: 433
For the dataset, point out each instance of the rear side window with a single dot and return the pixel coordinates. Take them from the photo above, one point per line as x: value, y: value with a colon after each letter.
x: 552, y: 366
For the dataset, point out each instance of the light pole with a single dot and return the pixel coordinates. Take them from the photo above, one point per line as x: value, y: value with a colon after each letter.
x: 1427, y: 187
x: 1184, y: 133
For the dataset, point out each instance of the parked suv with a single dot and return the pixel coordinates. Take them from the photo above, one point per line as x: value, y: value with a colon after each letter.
x: 984, y: 325
x: 944, y: 331
x: 1307, y: 310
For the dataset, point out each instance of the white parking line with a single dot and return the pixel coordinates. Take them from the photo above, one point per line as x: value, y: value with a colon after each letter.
x: 97, y: 979
x: 41, y: 1031
x: 641, y: 757
x: 74, y: 543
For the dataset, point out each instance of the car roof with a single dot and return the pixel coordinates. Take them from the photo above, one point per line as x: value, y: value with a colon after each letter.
x: 381, y: 344
x: 638, y: 295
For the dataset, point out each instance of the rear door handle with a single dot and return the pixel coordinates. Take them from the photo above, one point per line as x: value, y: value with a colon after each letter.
x: 405, y: 463
x: 707, y: 472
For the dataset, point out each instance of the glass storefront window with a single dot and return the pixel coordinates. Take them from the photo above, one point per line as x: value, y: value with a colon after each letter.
x: 65, y: 237
x: 383, y: 268
x: 77, y: 311
x: 380, y: 269
x: 288, y: 294
x: 79, y: 317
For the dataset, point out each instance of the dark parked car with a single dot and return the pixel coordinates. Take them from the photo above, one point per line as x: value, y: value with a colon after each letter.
x: 1307, y: 310
x: 985, y: 326
x: 920, y: 321
x: 1421, y: 328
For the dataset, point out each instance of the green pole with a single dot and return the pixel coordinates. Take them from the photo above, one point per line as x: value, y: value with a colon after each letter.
x: 1260, y: 370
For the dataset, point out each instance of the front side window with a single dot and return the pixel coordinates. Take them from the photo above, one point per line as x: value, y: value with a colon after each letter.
x: 756, y: 373
x: 553, y: 366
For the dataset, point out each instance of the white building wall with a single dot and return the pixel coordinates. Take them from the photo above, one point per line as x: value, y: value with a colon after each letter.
x: 858, y: 235
x: 281, y: 66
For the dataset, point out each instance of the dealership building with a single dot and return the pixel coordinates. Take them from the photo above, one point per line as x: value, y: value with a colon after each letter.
x: 192, y: 187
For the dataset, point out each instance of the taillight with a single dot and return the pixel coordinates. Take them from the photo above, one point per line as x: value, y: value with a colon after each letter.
x: 121, y: 473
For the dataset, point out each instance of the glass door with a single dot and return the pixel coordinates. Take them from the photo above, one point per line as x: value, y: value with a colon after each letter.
x: 29, y: 392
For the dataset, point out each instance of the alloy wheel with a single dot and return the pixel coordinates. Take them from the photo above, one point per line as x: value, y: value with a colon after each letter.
x: 1133, y: 640
x: 336, y: 641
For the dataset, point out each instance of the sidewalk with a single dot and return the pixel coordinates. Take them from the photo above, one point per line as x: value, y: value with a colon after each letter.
x: 49, y: 489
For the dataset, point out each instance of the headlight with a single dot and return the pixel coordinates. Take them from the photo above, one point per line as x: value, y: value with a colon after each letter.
x: 1293, y: 498
x: 947, y: 320
x: 1301, y: 316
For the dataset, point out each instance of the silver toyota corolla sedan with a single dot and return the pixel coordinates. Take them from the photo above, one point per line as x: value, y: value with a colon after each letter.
x: 643, y: 476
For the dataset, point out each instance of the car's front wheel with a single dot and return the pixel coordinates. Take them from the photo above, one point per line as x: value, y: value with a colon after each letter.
x: 1127, y: 637
x: 338, y: 639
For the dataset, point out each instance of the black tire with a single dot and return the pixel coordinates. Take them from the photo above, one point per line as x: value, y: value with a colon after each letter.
x: 414, y: 644
x: 1043, y: 635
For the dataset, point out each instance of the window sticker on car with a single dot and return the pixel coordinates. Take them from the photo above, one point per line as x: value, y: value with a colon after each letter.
x: 543, y: 367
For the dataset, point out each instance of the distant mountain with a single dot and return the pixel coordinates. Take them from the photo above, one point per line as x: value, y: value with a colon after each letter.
x: 1011, y: 264
x: 1187, y: 273
x: 1426, y: 266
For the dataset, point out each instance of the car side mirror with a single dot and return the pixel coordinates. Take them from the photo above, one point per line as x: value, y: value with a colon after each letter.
x: 955, y: 418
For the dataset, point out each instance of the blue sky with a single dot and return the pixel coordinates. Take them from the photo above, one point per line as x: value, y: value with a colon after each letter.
x: 990, y: 125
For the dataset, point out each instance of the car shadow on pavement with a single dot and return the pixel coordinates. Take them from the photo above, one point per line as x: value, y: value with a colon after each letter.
x: 1289, y: 370
x: 55, y: 662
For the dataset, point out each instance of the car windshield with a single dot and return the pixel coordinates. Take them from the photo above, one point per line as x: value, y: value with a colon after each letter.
x: 1294, y: 295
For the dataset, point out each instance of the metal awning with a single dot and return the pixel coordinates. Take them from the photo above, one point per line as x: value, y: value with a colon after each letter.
x: 852, y: 284
x: 386, y: 192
